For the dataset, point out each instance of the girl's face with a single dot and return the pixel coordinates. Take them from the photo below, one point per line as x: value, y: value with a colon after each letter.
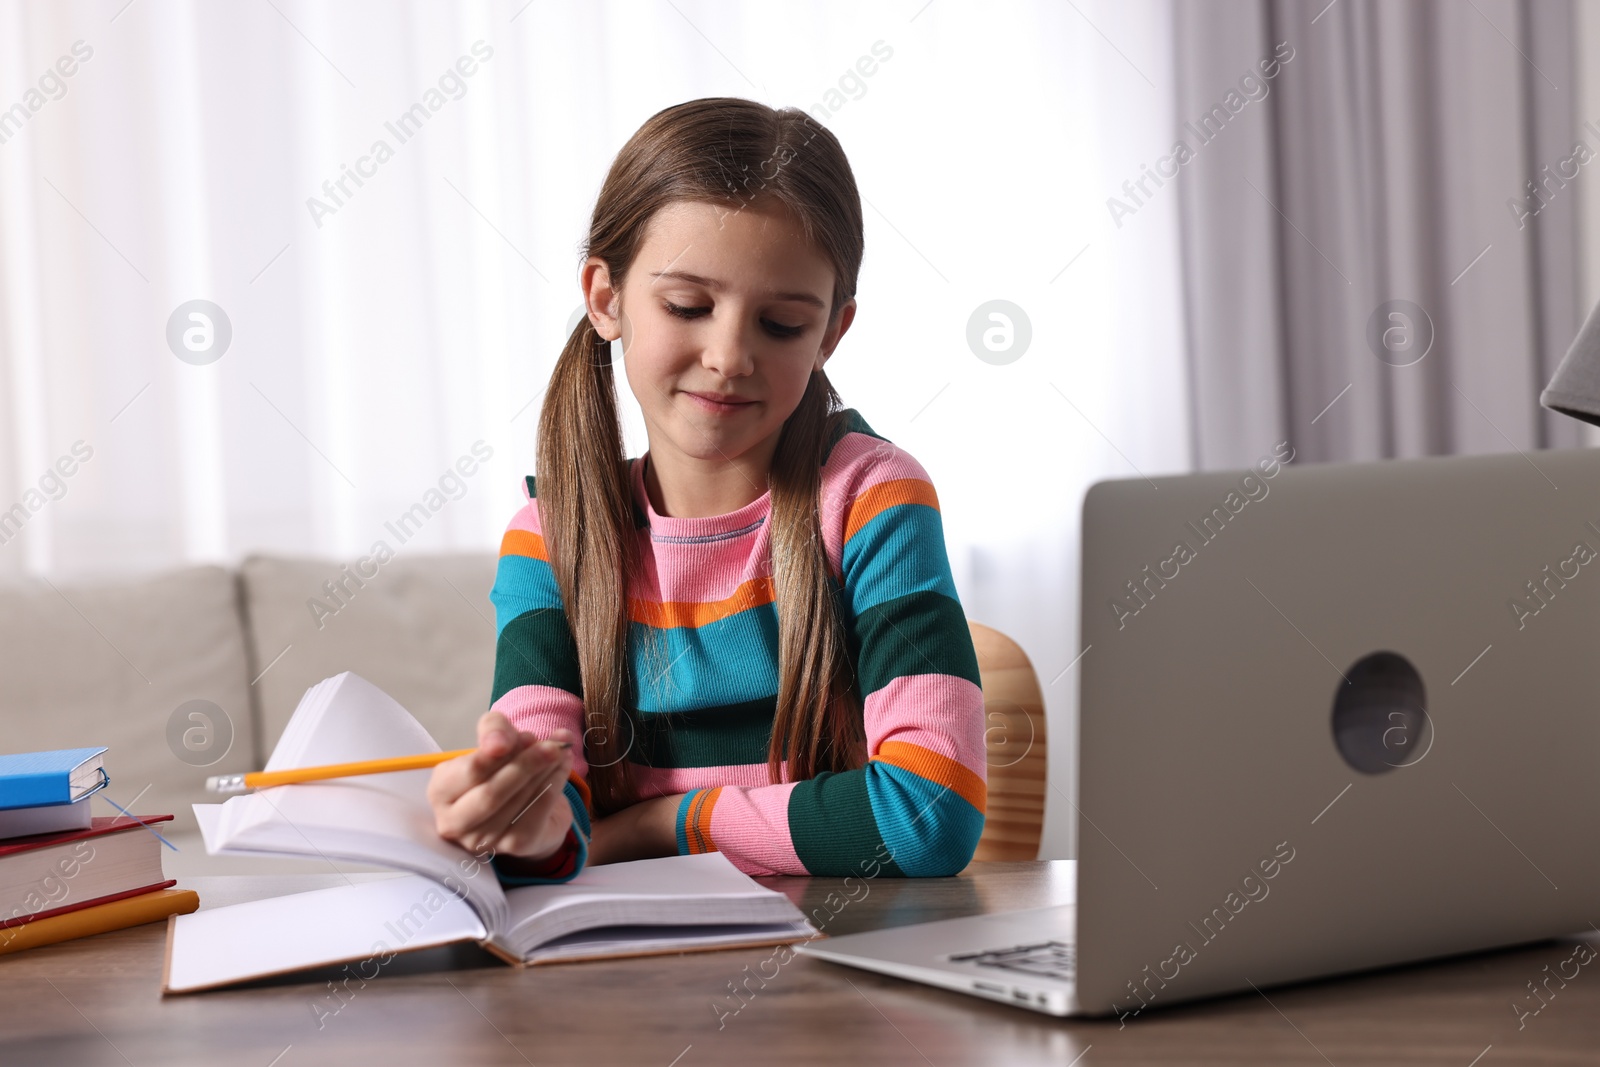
x: 723, y: 317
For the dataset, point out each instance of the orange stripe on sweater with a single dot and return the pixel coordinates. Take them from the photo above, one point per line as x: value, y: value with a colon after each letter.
x: 523, y: 543
x: 698, y: 828
x: 867, y: 505
x: 751, y: 594
x: 942, y: 770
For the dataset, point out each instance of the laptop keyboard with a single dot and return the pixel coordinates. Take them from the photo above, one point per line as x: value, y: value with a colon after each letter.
x: 1051, y: 959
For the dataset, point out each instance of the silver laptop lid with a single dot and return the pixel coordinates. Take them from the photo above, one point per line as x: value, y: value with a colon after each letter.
x: 1229, y: 834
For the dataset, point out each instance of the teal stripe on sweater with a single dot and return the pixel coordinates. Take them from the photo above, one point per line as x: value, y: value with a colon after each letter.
x: 931, y: 830
x: 522, y: 583
x: 729, y: 661
x: 901, y: 550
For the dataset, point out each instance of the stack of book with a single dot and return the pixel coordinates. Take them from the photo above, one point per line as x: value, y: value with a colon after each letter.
x: 65, y: 873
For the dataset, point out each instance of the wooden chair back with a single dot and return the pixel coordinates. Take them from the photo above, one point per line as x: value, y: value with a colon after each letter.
x: 1014, y: 743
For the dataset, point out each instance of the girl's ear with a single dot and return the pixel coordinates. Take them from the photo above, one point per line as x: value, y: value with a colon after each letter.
x: 830, y: 339
x: 601, y: 298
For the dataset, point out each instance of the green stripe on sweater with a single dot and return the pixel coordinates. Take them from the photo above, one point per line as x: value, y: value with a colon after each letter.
x: 919, y: 633
x: 728, y: 735
x: 834, y: 833
x: 536, y: 648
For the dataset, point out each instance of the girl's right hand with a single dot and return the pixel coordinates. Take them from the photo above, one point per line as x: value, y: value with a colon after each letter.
x: 507, y: 796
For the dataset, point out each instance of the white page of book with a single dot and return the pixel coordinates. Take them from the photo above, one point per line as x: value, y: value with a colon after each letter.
x: 618, y: 940
x: 342, y: 924
x: 701, y: 888
x: 48, y: 819
x: 208, y: 816
x: 384, y: 819
x: 346, y: 820
x: 346, y: 718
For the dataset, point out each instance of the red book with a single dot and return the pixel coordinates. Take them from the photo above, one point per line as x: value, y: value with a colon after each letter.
x: 51, y: 874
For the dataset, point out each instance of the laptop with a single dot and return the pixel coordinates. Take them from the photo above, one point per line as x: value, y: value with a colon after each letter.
x: 1331, y: 718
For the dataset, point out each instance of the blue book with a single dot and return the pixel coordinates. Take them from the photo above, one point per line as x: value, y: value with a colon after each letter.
x: 34, y: 779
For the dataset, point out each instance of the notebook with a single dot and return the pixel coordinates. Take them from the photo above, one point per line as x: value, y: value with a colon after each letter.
x: 31, y: 779
x: 643, y: 907
x: 49, y: 874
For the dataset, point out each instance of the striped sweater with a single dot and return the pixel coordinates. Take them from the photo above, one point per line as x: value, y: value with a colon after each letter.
x: 701, y: 721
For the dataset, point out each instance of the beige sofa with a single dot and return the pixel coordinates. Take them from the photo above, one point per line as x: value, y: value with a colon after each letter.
x: 194, y: 672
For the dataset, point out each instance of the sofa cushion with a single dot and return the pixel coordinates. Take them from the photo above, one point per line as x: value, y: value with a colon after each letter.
x: 152, y: 667
x: 418, y: 627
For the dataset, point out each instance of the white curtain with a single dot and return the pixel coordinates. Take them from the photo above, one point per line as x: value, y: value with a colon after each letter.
x: 381, y: 330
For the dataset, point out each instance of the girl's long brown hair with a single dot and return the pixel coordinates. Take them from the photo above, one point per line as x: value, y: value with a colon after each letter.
x: 729, y: 152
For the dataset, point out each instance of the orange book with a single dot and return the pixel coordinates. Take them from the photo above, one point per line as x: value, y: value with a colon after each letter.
x: 100, y: 918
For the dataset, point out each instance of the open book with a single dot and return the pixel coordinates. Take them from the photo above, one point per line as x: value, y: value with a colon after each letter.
x: 643, y: 907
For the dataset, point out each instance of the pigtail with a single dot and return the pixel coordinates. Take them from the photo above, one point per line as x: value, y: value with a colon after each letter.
x: 585, y: 508
x: 819, y: 714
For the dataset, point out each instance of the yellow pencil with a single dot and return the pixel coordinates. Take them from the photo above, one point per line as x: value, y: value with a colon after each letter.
x: 238, y: 783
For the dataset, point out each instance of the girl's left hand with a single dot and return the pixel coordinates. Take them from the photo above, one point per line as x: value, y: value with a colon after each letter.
x: 643, y: 831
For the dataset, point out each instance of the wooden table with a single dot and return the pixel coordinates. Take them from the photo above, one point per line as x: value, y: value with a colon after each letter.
x: 97, y: 1001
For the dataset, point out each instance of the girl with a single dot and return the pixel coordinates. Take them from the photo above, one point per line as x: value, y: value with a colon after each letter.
x: 747, y: 639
